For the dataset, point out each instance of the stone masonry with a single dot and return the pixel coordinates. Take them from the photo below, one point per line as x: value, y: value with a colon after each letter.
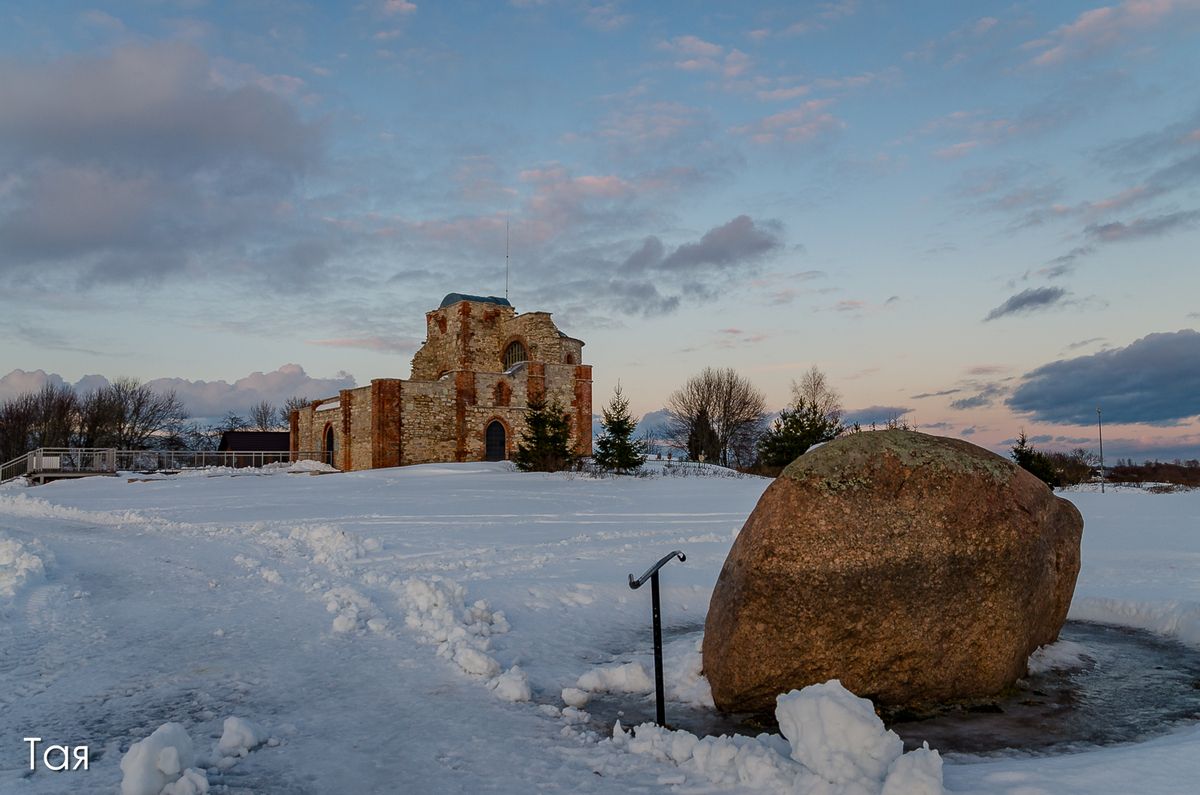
x: 459, y: 387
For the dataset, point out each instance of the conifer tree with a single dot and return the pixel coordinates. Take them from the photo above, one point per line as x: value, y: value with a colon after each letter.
x: 616, y: 449
x: 798, y: 428
x: 546, y: 444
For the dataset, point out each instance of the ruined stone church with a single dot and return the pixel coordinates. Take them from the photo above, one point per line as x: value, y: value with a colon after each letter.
x: 471, y: 382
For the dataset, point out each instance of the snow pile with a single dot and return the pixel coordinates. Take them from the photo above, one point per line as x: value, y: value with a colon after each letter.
x: 354, y: 612
x: 36, y: 508
x: 20, y: 562
x: 835, y: 743
x: 308, y: 465
x: 239, y: 737
x: 161, y: 764
x: 682, y: 664
x: 436, y: 608
x: 332, y: 547
x: 512, y: 685
x: 628, y: 678
x: 252, y: 564
x: 1064, y: 655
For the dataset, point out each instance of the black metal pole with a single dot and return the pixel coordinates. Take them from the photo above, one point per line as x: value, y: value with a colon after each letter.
x: 659, y: 702
x: 1100, y: 428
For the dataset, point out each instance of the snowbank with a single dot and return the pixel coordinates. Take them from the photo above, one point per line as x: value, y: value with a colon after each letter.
x: 1175, y: 619
x: 20, y: 562
x: 162, y: 764
x: 240, y: 736
x: 436, y: 608
x: 682, y: 666
x: 835, y: 743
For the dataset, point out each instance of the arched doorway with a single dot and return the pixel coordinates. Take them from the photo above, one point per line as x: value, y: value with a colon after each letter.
x: 330, y: 446
x: 494, y: 448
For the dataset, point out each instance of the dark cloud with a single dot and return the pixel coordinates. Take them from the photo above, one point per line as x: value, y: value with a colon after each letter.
x: 942, y: 393
x: 203, y: 399
x: 877, y: 415
x: 968, y: 431
x: 987, y: 395
x: 734, y: 243
x: 1155, y: 381
x: 137, y: 164
x: 1031, y: 300
x: 1149, y: 226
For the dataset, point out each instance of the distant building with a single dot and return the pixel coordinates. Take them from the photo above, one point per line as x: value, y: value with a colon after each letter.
x: 255, y: 441
x: 471, y: 382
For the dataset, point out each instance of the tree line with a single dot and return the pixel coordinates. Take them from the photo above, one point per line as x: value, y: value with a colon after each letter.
x: 125, y: 414
x: 717, y: 417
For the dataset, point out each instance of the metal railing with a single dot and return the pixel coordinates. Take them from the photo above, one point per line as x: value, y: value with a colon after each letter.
x: 660, y: 709
x: 68, y: 461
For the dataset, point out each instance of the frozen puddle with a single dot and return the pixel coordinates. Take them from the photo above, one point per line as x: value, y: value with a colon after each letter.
x: 1117, y: 685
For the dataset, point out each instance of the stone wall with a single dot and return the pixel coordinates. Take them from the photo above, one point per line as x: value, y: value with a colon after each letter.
x: 457, y: 389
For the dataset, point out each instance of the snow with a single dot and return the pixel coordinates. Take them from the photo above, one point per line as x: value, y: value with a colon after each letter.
x: 240, y: 736
x: 835, y: 743
x: 1061, y: 656
x: 451, y: 626
x: 20, y: 563
x: 162, y: 763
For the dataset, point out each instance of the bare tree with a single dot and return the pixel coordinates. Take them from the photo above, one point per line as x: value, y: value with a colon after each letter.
x: 264, y: 416
x: 718, y: 413
x: 813, y: 390
x: 290, y: 405
x: 17, y: 420
x: 130, y: 415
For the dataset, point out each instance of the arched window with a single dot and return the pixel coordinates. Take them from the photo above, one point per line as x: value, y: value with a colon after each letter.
x: 494, y: 442
x: 569, y: 359
x: 515, y: 354
x: 330, y: 446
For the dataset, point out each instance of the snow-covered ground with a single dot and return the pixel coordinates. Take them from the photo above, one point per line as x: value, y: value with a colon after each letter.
x: 444, y: 628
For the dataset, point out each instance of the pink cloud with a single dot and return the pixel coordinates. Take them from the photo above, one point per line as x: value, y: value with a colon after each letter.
x: 802, y: 124
x: 1098, y: 29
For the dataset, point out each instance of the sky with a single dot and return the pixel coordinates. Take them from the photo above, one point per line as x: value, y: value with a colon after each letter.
x: 979, y: 217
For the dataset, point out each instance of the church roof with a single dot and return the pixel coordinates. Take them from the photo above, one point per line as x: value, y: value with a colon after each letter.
x: 454, y: 298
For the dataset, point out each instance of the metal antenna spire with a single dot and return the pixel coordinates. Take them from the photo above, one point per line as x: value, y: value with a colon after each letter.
x: 505, y: 259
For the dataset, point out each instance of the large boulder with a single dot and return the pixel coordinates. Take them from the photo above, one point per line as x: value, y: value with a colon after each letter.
x: 916, y: 569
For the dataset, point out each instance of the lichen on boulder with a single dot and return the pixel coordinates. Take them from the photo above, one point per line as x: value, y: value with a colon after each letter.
x: 916, y: 569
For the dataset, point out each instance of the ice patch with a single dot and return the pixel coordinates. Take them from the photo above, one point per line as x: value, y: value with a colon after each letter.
x: 835, y: 743
x: 1064, y: 655
x: 574, y: 697
x: 21, y: 562
x: 239, y: 737
x: 162, y: 763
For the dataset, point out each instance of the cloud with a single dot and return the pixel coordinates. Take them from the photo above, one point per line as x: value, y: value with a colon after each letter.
x: 1150, y: 226
x: 1155, y: 380
x: 374, y: 342
x: 733, y: 243
x: 804, y: 123
x: 130, y: 165
x: 1100, y: 29
x: 1032, y: 300
x: 875, y: 415
x: 942, y: 393
x: 985, y: 397
x: 203, y: 399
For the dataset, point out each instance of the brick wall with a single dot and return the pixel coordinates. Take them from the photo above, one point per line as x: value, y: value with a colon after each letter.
x: 456, y: 390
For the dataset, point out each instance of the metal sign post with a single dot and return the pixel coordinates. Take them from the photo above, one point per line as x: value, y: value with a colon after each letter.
x: 652, y: 575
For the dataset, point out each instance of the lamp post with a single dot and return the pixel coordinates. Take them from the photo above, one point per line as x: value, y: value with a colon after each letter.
x: 1100, y: 430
